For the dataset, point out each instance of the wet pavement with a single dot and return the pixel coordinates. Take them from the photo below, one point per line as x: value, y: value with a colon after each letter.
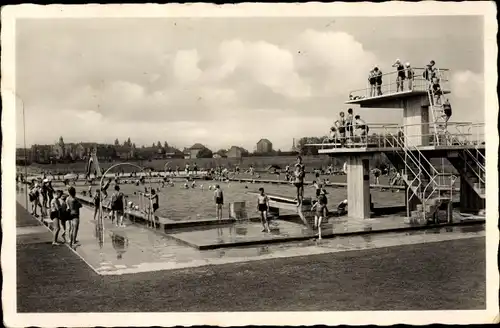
x: 136, y: 248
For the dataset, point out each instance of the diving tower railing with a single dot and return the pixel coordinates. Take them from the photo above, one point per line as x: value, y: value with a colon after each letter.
x: 466, y: 134
x: 390, y: 84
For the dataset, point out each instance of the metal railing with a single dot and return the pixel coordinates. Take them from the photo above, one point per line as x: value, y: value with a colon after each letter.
x: 392, y: 85
x: 457, y: 134
x: 426, y: 172
x: 477, y: 165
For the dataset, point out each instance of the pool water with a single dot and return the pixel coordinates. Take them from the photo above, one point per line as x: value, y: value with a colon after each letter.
x: 178, y: 203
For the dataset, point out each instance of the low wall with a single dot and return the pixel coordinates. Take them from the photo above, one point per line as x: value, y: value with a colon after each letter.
x: 259, y: 163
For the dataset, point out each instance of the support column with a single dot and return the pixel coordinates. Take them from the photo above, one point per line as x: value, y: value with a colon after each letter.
x: 416, y: 120
x: 414, y: 201
x: 358, y: 187
x: 469, y: 199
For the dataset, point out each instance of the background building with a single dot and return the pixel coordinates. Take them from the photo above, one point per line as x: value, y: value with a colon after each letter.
x: 264, y: 146
x: 235, y: 152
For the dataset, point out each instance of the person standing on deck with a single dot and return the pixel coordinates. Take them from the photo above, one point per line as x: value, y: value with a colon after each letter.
x: 401, y: 76
x: 55, y: 215
x: 447, y: 112
x: 299, y: 180
x: 74, y: 210
x: 410, y: 74
x: 321, y: 211
x: 117, y: 206
x: 263, y: 207
x: 378, y: 80
x: 341, y: 127
x: 349, y: 124
x: 45, y: 191
x: 219, y: 202
x: 372, y: 79
x: 376, y: 173
x: 154, y: 199
x: 97, y: 203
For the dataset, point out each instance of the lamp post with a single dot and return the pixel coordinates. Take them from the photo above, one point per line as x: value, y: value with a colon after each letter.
x: 100, y: 222
x: 25, y: 151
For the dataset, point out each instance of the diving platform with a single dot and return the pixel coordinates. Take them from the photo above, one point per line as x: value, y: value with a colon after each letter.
x: 392, y: 93
x: 373, y: 148
x: 425, y: 133
x: 380, y: 101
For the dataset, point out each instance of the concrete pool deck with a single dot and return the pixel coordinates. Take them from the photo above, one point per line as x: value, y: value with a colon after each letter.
x: 139, y: 248
x: 135, y: 248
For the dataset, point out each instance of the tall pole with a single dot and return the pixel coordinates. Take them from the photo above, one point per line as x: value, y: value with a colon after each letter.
x: 25, y: 154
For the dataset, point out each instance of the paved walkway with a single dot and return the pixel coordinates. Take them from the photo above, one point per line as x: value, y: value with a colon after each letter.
x: 137, y: 248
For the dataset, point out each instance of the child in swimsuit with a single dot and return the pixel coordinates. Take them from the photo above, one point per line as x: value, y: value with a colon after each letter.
x: 263, y: 206
x: 321, y: 210
x: 316, y: 186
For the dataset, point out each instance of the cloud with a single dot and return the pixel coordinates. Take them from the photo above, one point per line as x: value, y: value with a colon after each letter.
x: 334, y: 62
x: 225, y: 92
x: 467, y: 96
x: 185, y: 66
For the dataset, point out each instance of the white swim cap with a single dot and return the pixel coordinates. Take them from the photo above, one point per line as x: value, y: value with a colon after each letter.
x: 398, y: 61
x: 407, y: 64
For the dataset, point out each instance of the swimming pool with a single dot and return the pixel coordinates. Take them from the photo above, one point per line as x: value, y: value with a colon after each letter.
x: 178, y: 203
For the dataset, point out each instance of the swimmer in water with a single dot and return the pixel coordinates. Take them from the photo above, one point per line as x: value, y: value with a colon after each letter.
x: 193, y: 184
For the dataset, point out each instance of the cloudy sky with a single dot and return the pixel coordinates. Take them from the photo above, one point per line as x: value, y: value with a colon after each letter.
x: 222, y: 81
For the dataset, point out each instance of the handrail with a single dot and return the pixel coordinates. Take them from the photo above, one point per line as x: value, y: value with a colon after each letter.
x: 416, y: 83
x: 418, y: 164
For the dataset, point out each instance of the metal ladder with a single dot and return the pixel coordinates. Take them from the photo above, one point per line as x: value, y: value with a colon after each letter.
x: 423, y: 179
x: 437, y: 111
x: 473, y: 162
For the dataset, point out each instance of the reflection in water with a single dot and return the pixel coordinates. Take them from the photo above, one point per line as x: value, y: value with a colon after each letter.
x: 367, y: 237
x: 264, y: 250
x: 220, y: 235
x: 120, y: 244
x: 241, y: 231
x: 99, y: 235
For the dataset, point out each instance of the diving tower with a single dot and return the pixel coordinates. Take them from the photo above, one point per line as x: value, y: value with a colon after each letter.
x: 417, y: 149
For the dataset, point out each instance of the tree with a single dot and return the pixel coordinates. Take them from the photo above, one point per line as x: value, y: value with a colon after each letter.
x: 306, y: 150
x: 244, y: 152
x: 158, y: 144
x: 222, y: 152
x: 117, y: 143
x: 165, y: 145
x: 205, y: 153
x: 128, y: 143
